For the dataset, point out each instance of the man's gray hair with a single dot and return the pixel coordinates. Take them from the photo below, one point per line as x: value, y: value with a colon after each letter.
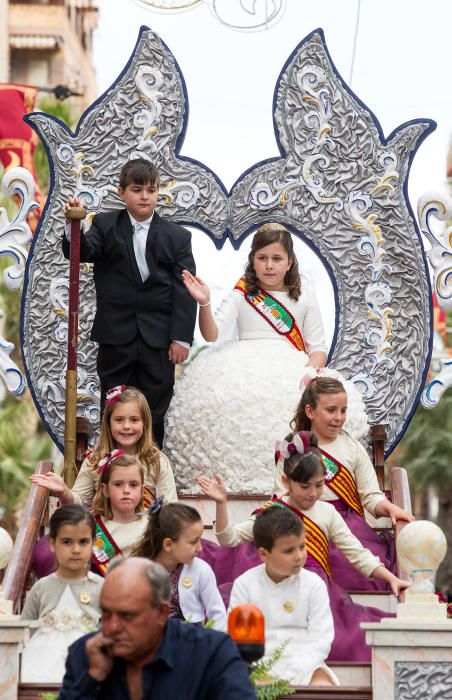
x: 157, y: 577
x: 159, y: 580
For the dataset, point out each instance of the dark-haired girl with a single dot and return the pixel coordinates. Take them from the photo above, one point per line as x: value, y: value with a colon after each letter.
x: 351, y: 484
x: 233, y: 401
x: 67, y: 602
x: 303, y: 477
x: 173, y: 538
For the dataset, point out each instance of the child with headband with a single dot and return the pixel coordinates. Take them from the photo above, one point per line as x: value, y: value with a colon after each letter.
x: 173, y: 538
x: 351, y: 484
x: 117, y: 508
x: 126, y: 425
x: 303, y: 479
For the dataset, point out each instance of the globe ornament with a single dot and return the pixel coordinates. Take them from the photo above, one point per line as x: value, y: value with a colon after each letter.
x: 421, y: 547
x: 6, y: 548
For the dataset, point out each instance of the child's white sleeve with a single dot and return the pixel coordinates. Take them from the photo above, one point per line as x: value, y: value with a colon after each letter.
x: 85, y: 484
x: 239, y: 593
x: 227, y: 313
x: 314, y: 643
x: 367, y: 485
x: 320, y: 632
x: 232, y: 535
x: 166, y: 485
x: 31, y: 608
x: 212, y: 600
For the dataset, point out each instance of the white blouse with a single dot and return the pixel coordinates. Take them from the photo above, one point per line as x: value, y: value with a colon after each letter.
x: 251, y: 325
x: 199, y: 598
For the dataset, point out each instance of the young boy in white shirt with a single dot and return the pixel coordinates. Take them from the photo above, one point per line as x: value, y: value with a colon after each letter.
x: 294, y: 602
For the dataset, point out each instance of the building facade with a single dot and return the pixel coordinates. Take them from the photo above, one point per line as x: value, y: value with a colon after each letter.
x: 48, y: 43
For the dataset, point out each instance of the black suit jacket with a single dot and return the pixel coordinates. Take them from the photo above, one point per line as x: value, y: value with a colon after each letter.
x: 160, y: 309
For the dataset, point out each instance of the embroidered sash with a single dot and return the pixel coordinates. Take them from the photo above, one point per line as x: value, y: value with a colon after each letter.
x: 341, y: 482
x: 316, y: 541
x: 148, y: 496
x: 105, y: 548
x: 275, y: 313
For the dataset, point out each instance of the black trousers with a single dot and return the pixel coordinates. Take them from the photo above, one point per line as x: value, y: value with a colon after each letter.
x: 146, y: 368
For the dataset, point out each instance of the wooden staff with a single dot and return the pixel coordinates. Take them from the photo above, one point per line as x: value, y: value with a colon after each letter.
x: 74, y: 215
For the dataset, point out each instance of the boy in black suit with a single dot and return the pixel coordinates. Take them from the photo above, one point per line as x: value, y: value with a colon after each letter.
x: 145, y: 318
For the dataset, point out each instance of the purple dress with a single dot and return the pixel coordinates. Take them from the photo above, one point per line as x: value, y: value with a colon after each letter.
x: 381, y: 544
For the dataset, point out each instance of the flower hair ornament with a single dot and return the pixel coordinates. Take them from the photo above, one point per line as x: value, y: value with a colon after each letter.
x: 114, y: 394
x: 105, y: 462
x: 156, y: 506
x: 300, y: 443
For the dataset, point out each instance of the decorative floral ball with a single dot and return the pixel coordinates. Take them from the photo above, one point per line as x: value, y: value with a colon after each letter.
x: 6, y: 547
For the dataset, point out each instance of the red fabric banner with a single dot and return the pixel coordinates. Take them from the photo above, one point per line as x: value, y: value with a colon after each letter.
x: 17, y: 140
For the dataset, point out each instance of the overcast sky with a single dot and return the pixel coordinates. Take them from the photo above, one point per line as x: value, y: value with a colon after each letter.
x: 402, y: 71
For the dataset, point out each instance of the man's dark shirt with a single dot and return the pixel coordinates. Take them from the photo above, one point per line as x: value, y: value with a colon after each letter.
x: 192, y: 663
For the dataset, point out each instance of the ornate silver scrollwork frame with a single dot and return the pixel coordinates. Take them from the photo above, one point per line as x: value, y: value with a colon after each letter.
x: 339, y: 184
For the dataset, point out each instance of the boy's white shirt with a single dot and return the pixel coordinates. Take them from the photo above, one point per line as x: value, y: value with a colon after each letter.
x: 199, y: 598
x: 296, y: 609
x: 330, y: 522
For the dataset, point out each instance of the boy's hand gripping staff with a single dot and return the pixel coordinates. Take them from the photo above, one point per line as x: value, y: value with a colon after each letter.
x: 74, y: 215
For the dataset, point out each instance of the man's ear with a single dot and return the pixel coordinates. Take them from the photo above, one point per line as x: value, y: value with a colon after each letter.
x: 162, y: 617
x: 263, y: 554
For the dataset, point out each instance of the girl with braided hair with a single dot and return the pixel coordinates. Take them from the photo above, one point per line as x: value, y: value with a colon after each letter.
x: 212, y: 423
x: 173, y: 538
x: 303, y: 478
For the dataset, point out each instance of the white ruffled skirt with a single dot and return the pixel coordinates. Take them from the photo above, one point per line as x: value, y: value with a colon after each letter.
x: 231, y: 405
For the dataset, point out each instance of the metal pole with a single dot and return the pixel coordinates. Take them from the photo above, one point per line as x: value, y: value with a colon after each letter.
x: 75, y: 215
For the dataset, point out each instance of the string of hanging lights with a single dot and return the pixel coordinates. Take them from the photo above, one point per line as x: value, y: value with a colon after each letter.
x: 241, y: 15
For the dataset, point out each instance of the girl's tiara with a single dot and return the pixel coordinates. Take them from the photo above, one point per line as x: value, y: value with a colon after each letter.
x: 114, y: 394
x: 105, y: 462
x: 299, y: 442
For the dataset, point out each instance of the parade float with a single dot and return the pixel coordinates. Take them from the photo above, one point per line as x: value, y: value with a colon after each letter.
x: 339, y: 184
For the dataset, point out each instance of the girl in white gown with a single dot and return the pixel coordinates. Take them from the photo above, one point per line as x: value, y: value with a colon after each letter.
x: 66, y: 603
x: 236, y: 398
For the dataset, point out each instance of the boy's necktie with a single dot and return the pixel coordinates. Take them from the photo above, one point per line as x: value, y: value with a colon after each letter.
x: 140, y: 234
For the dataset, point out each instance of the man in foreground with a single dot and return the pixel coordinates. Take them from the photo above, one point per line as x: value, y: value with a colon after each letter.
x: 140, y: 654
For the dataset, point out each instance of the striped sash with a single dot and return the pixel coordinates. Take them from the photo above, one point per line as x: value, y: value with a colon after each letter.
x: 275, y: 313
x: 148, y: 496
x: 317, y: 543
x: 105, y: 548
x: 341, y: 482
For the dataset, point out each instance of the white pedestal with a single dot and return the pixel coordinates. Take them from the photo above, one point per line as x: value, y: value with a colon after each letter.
x: 410, y: 659
x: 13, y: 634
